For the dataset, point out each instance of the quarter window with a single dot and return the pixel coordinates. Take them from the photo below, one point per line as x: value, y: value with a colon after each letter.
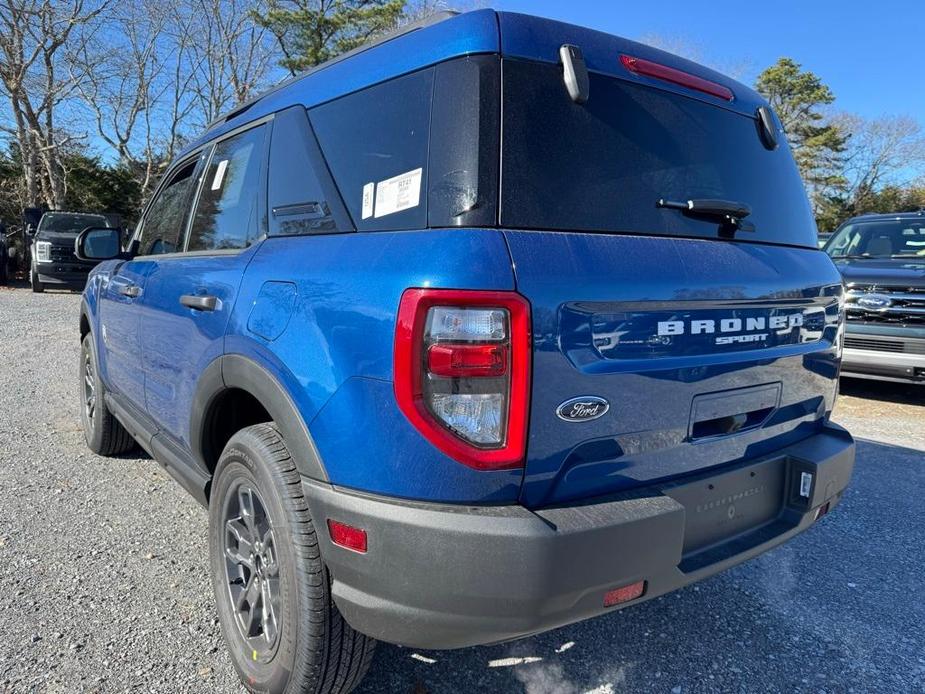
x: 226, y: 214
x: 376, y: 143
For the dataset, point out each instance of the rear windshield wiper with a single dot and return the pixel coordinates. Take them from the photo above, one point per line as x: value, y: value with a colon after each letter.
x: 729, y: 213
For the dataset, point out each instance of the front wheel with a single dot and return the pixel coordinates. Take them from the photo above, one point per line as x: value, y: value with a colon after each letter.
x: 272, y: 590
x: 37, y: 286
x: 104, y: 434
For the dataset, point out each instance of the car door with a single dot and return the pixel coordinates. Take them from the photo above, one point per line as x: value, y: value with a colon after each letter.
x: 120, y: 298
x: 189, y: 295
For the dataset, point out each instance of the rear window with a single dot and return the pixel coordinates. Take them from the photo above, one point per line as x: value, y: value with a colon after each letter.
x: 602, y: 166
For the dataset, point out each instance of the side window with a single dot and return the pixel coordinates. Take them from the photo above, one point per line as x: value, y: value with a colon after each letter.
x: 226, y: 214
x: 298, y: 199
x: 165, y: 221
x: 375, y: 142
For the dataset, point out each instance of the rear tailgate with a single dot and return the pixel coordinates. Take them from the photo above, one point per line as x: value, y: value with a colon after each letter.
x: 711, y: 338
x: 758, y: 372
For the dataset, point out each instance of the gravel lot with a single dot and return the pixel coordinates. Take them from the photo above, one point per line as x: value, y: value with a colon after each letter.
x: 104, y: 584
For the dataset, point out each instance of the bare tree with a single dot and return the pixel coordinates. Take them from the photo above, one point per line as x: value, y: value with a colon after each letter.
x: 232, y: 56
x: 124, y: 82
x: 881, y: 152
x: 33, y: 36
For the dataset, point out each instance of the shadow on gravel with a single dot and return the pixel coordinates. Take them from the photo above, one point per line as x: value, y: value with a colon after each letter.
x: 885, y: 391
x: 836, y: 609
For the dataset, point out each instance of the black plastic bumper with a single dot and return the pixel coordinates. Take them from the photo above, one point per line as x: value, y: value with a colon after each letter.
x: 71, y: 278
x: 441, y: 576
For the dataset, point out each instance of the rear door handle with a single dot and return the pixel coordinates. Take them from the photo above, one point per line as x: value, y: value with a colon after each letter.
x: 199, y: 302
x: 132, y: 291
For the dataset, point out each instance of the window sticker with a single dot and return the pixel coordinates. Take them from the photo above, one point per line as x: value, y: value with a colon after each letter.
x: 398, y: 193
x: 369, y: 191
x: 219, y: 174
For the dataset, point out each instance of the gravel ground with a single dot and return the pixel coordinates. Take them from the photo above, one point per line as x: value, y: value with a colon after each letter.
x: 104, y: 584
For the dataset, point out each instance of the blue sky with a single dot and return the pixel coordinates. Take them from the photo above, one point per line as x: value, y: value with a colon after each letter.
x: 871, y: 53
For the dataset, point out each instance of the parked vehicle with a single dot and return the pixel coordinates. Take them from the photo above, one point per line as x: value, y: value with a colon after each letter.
x: 53, y: 261
x: 824, y: 237
x: 882, y: 258
x: 443, y: 389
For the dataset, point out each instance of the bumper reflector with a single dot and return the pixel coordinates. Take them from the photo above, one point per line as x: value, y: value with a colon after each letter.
x: 347, y: 536
x: 624, y: 594
x: 822, y: 510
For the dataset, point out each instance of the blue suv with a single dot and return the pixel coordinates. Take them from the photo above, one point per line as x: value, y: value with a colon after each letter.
x: 490, y: 327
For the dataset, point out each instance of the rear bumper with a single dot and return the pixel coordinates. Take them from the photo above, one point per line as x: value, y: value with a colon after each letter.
x: 441, y: 576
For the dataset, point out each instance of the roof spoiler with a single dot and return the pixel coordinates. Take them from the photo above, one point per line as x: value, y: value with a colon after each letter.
x: 427, y: 21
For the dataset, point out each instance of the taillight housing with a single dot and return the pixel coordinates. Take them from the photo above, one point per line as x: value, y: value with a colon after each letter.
x: 462, y: 372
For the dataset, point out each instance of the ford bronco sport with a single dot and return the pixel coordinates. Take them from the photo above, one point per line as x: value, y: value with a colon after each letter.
x: 493, y: 326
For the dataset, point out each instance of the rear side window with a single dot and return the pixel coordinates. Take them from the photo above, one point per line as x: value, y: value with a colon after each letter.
x: 165, y: 220
x: 376, y: 142
x: 603, y: 166
x: 226, y: 214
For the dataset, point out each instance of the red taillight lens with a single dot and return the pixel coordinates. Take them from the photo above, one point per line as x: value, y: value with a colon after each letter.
x: 624, y: 594
x: 462, y: 372
x: 347, y: 536
x: 467, y: 361
x: 641, y: 66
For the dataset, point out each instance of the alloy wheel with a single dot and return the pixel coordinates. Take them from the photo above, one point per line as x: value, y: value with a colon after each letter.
x: 89, y: 388
x: 252, y: 570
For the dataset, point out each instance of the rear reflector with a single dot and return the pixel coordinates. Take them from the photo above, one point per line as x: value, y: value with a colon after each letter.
x: 624, y: 594
x: 640, y: 66
x: 822, y: 510
x: 347, y: 536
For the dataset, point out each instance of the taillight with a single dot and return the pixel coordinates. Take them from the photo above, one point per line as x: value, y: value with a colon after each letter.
x: 462, y: 372
x: 641, y: 66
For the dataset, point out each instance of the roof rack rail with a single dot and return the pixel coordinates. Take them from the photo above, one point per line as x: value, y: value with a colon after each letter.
x: 427, y: 21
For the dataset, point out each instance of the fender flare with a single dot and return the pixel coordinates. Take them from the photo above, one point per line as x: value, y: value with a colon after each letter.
x: 233, y: 371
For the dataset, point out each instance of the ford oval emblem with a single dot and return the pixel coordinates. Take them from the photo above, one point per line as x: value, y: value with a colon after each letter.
x: 582, y: 409
x: 875, y: 301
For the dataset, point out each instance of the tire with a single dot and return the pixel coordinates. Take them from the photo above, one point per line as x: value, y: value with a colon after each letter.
x: 302, y: 643
x: 104, y: 434
x: 37, y: 286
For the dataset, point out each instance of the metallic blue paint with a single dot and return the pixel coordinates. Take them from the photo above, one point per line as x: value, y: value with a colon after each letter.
x: 335, y: 356
x: 645, y: 435
x: 179, y: 342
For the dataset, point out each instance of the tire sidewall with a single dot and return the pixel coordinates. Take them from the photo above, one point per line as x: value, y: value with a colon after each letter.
x: 241, y: 462
x: 93, y: 431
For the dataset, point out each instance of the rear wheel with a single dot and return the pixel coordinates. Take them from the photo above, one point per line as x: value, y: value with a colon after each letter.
x: 104, y: 433
x: 272, y: 590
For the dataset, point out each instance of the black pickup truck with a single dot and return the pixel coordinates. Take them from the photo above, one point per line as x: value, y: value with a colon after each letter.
x: 882, y: 259
x: 53, y: 261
